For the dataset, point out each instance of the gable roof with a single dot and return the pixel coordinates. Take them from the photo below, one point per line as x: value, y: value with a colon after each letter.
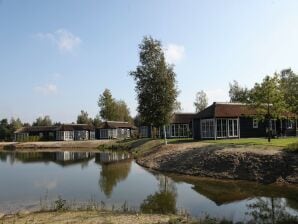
x: 116, y: 124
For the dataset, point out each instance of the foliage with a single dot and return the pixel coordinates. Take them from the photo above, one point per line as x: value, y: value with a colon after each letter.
x: 293, y: 147
x: 112, y: 109
x: 201, y: 101
x: 83, y: 118
x: 289, y: 86
x: 43, y: 121
x: 96, y: 121
x: 60, y: 204
x: 237, y: 93
x: 7, y: 129
x: 155, y: 84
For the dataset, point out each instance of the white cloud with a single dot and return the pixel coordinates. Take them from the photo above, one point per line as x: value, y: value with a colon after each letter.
x: 63, y: 39
x: 174, y: 53
x: 47, y: 89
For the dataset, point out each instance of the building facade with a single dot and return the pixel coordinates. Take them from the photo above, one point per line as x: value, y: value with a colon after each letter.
x: 235, y: 120
x: 115, y: 130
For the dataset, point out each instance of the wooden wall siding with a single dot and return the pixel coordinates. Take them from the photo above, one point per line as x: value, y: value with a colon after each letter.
x: 248, y: 131
x: 196, y: 126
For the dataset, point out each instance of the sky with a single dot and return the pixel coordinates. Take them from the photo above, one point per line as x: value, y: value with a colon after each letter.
x: 58, y: 56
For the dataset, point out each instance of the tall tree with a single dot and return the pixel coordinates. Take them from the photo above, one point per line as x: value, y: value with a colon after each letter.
x: 201, y: 101
x: 289, y: 85
x: 155, y: 84
x: 238, y: 93
x: 83, y: 118
x: 268, y: 100
x: 112, y: 109
x: 107, y: 106
x: 4, y: 130
x: 96, y: 121
x: 43, y: 121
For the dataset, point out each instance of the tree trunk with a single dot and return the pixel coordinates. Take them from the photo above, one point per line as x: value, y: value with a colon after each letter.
x: 269, y: 130
x: 165, y: 134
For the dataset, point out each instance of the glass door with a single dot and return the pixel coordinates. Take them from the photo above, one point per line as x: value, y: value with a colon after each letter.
x: 233, y: 127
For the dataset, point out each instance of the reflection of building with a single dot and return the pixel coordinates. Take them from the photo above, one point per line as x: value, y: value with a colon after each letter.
x: 114, y: 129
x: 64, y: 132
x: 73, y: 156
x: 109, y: 157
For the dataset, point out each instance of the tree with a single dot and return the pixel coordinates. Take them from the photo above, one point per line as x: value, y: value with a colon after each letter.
x: 96, y: 121
x: 83, y: 118
x: 112, y: 109
x: 237, y: 93
x: 155, y: 84
x: 43, y: 121
x: 289, y: 85
x: 201, y: 101
x: 4, y: 130
x: 267, y: 99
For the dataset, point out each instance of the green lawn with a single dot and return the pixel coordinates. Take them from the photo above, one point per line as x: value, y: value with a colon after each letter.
x: 280, y: 142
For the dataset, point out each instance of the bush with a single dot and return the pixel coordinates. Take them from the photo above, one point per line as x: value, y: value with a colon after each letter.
x: 292, y: 147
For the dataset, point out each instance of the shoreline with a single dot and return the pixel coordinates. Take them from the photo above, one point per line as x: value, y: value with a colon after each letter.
x: 264, y: 166
x: 87, y: 216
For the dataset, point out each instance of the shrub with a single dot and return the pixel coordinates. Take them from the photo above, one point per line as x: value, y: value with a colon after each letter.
x: 292, y: 147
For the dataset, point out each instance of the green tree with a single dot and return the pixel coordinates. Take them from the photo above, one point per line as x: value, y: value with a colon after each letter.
x: 267, y: 99
x: 238, y: 93
x: 201, y: 101
x: 112, y: 109
x: 83, y: 118
x: 4, y: 130
x: 43, y: 121
x: 96, y: 121
x: 155, y: 85
x: 107, y: 106
x: 289, y: 85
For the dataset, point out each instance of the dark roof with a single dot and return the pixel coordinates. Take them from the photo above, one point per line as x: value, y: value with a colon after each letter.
x: 226, y: 110
x: 230, y: 110
x: 76, y: 127
x: 116, y: 124
x: 37, y: 129
x: 182, y: 118
x: 63, y: 127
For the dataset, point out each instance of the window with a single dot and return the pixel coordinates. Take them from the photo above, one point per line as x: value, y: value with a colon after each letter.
x: 290, y: 124
x: 255, y: 123
x: 221, y: 128
x: 233, y: 127
x: 207, y: 128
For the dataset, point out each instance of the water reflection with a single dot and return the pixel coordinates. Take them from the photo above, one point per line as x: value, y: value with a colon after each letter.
x: 271, y: 211
x: 164, y: 200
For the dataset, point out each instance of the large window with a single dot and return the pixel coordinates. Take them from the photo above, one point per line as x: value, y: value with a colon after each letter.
x: 207, y: 128
x: 221, y: 128
x: 179, y: 130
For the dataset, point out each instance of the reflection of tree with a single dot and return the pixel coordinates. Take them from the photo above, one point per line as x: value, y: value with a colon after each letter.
x: 3, y: 156
x: 163, y: 201
x: 111, y: 174
x: 270, y: 211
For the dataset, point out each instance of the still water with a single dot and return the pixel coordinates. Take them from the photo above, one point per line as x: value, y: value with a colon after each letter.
x: 112, y: 178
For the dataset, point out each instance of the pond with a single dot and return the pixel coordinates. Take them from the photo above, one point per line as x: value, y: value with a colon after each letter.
x: 114, y: 179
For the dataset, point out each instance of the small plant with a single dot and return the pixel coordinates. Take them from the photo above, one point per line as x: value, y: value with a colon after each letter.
x: 292, y: 147
x: 60, y: 204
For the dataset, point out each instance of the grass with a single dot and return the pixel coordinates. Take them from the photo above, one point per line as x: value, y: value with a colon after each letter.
x: 278, y: 142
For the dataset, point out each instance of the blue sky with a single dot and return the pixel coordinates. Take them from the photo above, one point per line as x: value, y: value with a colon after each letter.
x: 57, y: 56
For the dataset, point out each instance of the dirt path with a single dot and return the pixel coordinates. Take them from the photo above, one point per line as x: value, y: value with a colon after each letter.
x: 87, y: 217
x: 54, y: 145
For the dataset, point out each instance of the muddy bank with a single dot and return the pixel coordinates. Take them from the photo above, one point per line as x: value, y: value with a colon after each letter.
x: 209, y: 160
x: 53, y: 145
x: 84, y: 217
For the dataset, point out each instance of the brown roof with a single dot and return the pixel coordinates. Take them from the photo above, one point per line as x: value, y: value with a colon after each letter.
x: 76, y: 127
x: 182, y: 118
x: 226, y: 110
x: 63, y: 127
x: 116, y: 124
